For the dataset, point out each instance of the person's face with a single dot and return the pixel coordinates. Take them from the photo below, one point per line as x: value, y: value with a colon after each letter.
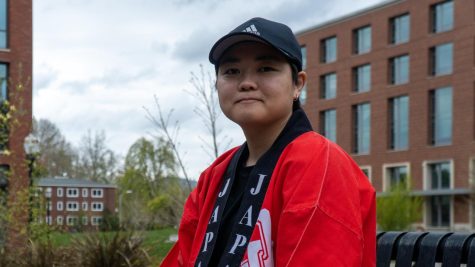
x: 254, y: 84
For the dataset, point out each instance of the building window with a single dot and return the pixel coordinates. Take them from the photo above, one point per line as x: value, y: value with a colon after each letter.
x: 303, y: 95
x: 72, y: 206
x: 59, y: 220
x: 362, y: 40
x: 59, y: 192
x: 3, y: 24
x: 84, y: 220
x: 72, y: 192
x: 396, y: 176
x: 400, y: 29
x: 48, y: 192
x: 367, y: 171
x: 328, y: 86
x: 442, y: 16
x: 328, y: 124
x: 303, y: 49
x: 49, y: 206
x: 84, y: 192
x: 361, y: 128
x: 96, y: 220
x: 441, y: 59
x: 72, y: 220
x: 441, y: 116
x: 399, y: 123
x: 97, y: 193
x: 97, y: 206
x: 84, y: 206
x: 59, y: 205
x: 328, y: 50
x: 362, y: 78
x: 3, y: 81
x: 439, y: 177
x: 399, y: 69
x: 49, y: 220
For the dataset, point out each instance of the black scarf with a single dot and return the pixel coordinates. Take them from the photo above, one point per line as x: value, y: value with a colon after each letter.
x: 253, y: 196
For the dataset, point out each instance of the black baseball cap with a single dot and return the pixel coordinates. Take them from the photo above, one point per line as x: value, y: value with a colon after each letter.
x: 275, y: 34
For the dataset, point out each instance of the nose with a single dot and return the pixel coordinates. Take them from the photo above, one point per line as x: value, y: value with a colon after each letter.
x: 248, y: 82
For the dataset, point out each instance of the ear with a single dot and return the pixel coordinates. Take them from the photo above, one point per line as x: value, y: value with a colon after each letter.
x: 301, y: 81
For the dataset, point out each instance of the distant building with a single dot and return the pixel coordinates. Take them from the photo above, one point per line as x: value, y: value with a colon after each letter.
x: 394, y: 85
x: 74, y: 202
x: 16, y: 40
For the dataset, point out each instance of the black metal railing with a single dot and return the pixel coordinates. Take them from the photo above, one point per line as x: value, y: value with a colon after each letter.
x: 407, y: 249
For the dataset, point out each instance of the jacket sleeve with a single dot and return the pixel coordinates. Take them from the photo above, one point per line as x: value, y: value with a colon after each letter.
x: 329, y: 215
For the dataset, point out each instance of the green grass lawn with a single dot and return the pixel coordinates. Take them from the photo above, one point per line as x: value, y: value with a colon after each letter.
x: 155, y: 242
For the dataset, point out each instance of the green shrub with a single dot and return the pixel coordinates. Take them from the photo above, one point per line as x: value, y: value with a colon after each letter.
x: 110, y: 250
x: 397, y: 210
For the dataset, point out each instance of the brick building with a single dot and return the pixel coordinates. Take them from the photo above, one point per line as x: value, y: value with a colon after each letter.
x: 74, y: 202
x: 394, y: 85
x: 15, y: 86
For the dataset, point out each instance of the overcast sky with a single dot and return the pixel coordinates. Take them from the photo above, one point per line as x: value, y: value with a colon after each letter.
x: 98, y: 63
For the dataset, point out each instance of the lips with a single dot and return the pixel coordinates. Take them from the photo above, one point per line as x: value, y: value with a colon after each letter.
x: 247, y: 100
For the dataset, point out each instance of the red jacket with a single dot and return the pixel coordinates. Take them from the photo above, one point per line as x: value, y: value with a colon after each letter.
x: 319, y: 210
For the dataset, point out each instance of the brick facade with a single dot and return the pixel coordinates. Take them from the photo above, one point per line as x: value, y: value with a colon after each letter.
x: 460, y: 153
x: 17, y: 55
x: 89, y: 206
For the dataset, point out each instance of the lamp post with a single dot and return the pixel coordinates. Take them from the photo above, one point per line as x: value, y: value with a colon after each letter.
x: 32, y: 148
x: 120, y: 205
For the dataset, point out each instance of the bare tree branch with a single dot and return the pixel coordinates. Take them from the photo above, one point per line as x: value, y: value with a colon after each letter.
x: 162, y: 124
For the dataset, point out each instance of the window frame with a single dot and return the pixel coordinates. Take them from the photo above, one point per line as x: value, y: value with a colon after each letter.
x: 433, y: 17
x: 395, y: 70
x: 327, y: 45
x: 323, y: 124
x: 386, y: 176
x: 392, y: 127
x: 355, y: 132
x: 433, y: 140
x: 94, y: 192
x: 356, y: 78
x: 357, y: 35
x: 70, y: 195
x: 72, y: 209
x: 393, y: 25
x: 325, y: 86
x: 434, y: 59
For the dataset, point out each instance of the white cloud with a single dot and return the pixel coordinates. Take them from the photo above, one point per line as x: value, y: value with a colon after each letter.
x: 98, y: 63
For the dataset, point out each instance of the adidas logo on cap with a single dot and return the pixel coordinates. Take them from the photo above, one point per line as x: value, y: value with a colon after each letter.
x: 252, y: 29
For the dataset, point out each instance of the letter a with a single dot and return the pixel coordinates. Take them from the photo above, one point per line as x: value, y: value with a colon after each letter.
x: 239, y: 242
x: 222, y: 193
x: 208, y: 238
x: 257, y: 189
x: 214, y: 216
x: 248, y: 216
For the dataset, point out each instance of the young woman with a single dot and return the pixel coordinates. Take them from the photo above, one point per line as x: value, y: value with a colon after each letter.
x: 287, y: 196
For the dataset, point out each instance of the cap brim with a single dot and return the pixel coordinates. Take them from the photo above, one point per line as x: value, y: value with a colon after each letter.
x: 229, y: 40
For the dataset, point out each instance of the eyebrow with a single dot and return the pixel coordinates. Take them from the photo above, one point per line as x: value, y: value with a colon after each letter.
x: 232, y: 59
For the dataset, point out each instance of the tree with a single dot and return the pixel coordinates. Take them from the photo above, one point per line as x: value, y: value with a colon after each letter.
x: 150, y: 173
x: 398, y: 209
x: 57, y: 155
x: 207, y: 109
x: 96, y: 162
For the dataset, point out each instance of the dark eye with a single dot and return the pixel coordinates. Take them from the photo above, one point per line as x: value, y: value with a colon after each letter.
x: 231, y: 71
x: 266, y: 69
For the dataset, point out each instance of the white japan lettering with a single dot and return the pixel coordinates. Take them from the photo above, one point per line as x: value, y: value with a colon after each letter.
x: 239, y: 242
x: 247, y: 216
x: 221, y: 194
x: 257, y: 189
x: 209, y: 237
x: 214, y: 216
